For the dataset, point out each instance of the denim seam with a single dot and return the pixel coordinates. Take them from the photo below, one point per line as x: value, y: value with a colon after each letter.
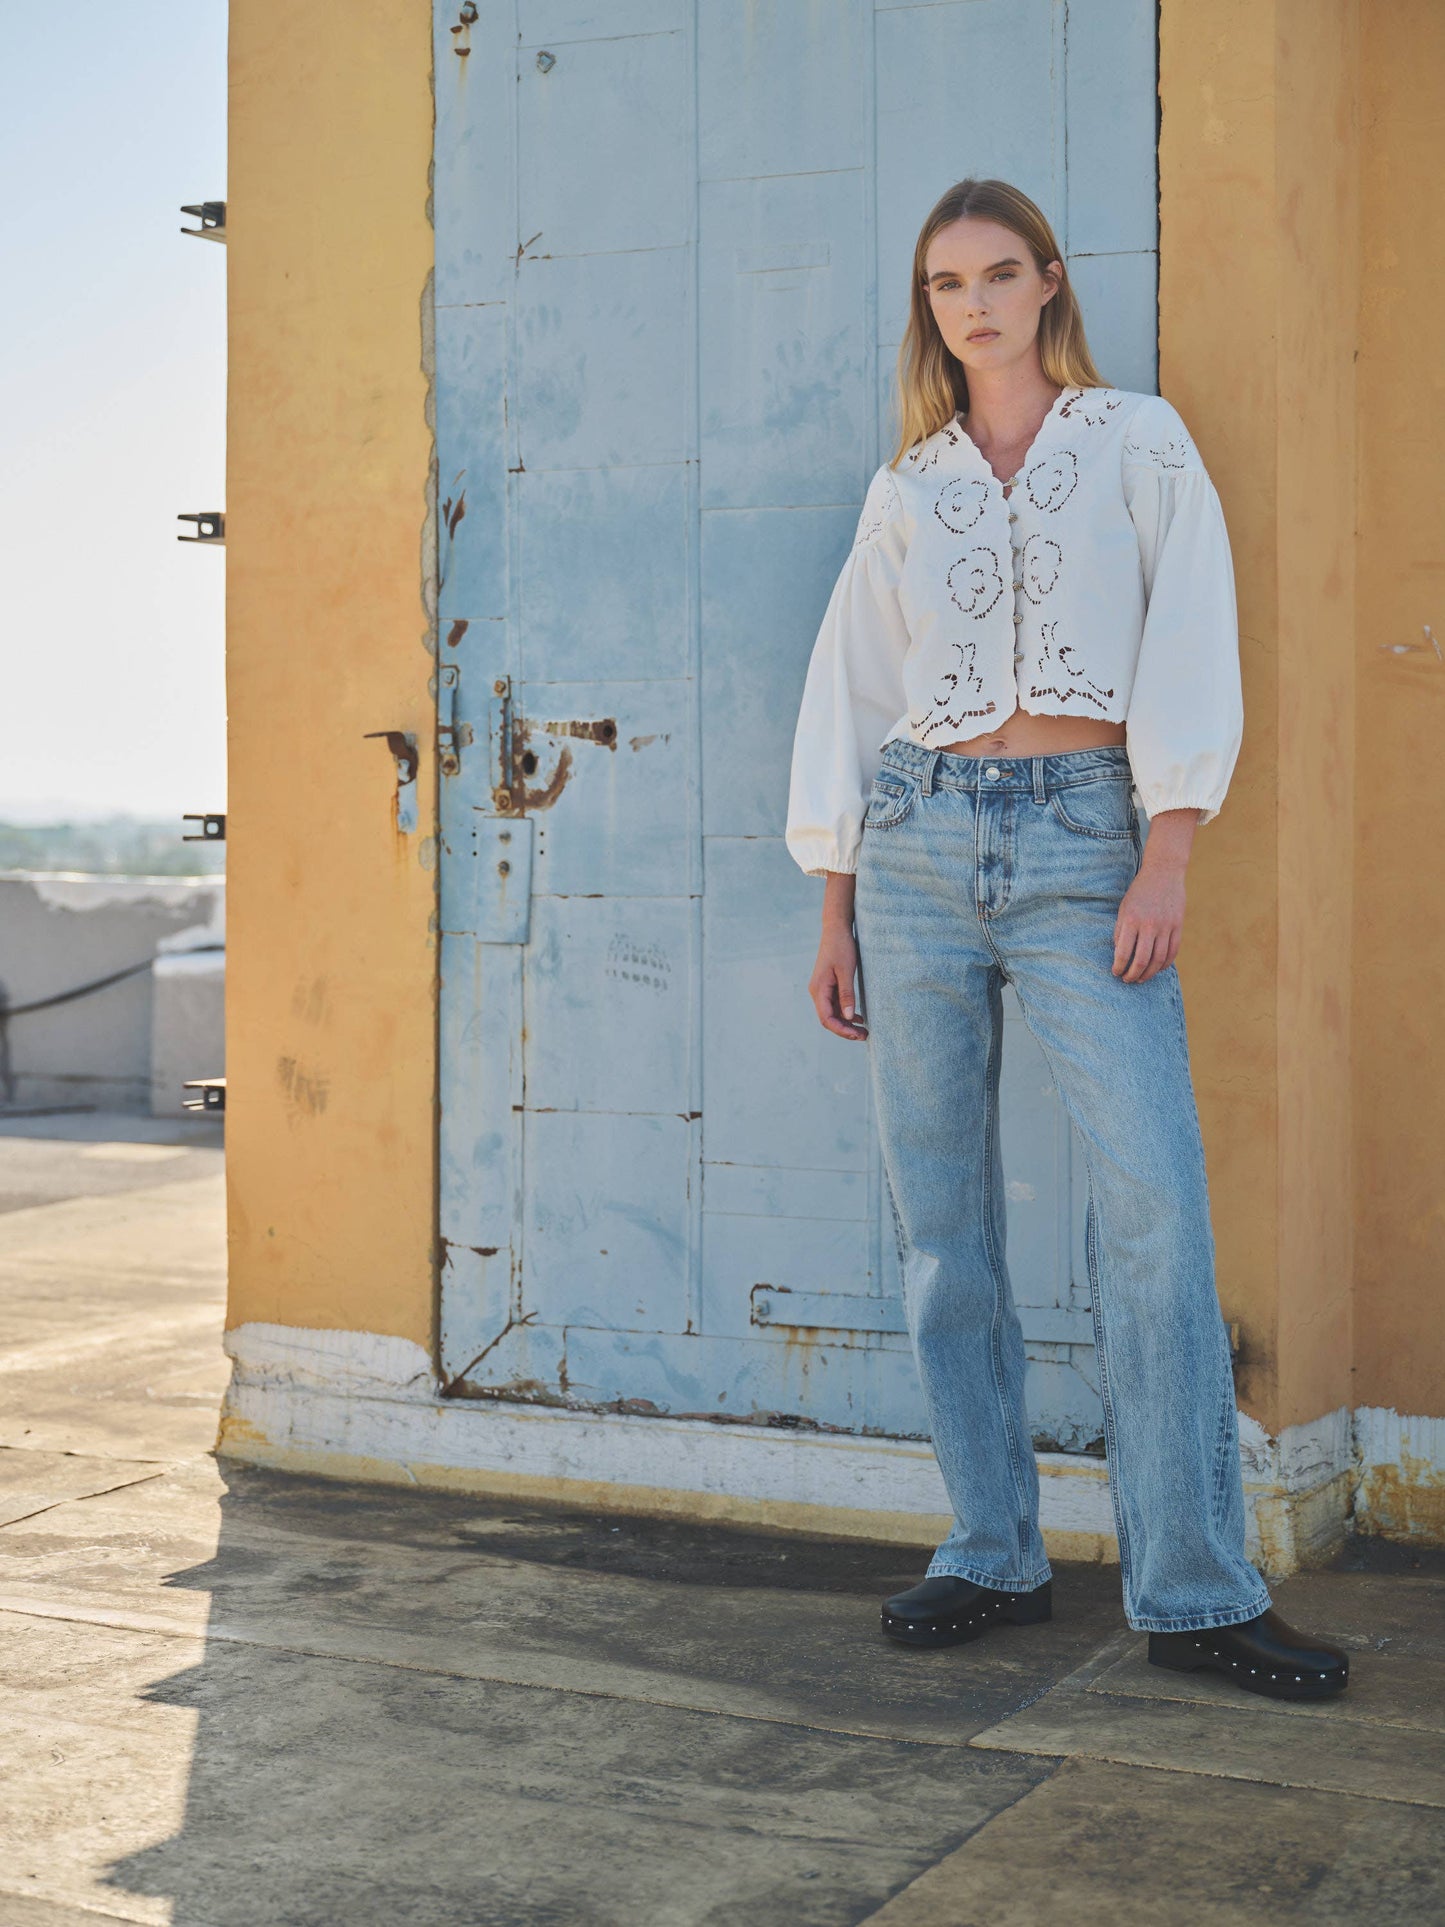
x: 1083, y: 829
x: 1039, y: 1577
x: 1227, y: 1399
x: 995, y: 1053
x: 1106, y: 1395
x: 1204, y: 1620
x: 1096, y: 1306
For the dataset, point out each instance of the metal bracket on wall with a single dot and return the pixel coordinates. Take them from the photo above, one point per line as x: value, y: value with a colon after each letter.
x: 210, y: 525
x: 212, y: 1097
x: 212, y: 830
x: 212, y: 217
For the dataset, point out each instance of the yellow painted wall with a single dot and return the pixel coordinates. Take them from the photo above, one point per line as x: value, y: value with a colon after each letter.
x: 330, y: 967
x: 1299, y: 157
x: 1399, y: 1087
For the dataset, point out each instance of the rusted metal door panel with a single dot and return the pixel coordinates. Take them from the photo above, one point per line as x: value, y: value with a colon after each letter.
x: 672, y: 253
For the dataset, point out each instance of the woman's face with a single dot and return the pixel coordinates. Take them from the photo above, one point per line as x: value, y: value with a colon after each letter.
x: 985, y: 292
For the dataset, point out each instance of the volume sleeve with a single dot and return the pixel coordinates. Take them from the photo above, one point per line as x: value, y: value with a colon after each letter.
x: 853, y: 692
x: 1186, y: 710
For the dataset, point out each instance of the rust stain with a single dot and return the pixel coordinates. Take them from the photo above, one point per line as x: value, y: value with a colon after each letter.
x: 453, y: 512
x: 1404, y: 1501
x: 524, y: 791
x: 453, y: 1385
x: 603, y: 730
x: 404, y: 752
x: 457, y: 631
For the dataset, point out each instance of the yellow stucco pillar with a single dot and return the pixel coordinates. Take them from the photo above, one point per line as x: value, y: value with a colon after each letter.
x: 331, y: 970
x: 1259, y: 264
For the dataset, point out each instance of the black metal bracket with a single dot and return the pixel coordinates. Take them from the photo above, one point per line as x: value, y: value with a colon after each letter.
x: 212, y: 830
x: 212, y: 1094
x: 210, y: 526
x: 212, y: 217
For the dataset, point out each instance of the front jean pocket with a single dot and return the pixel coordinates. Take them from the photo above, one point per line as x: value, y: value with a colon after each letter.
x: 1103, y: 806
x: 892, y: 798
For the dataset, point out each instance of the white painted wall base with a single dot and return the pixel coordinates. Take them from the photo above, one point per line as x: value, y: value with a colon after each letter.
x: 359, y: 1405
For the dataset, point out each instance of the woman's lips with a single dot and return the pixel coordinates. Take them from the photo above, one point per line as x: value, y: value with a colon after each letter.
x: 984, y: 334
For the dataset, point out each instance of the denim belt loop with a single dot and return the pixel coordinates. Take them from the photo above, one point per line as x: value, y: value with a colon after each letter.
x: 928, y: 768
x: 1039, y: 796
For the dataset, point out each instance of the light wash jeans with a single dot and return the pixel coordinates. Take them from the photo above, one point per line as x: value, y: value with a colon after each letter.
x: 974, y: 872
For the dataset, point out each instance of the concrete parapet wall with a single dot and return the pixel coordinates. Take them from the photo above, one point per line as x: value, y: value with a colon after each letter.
x: 130, y: 1045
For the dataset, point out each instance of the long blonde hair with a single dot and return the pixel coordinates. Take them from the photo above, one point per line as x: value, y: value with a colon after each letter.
x: 932, y: 383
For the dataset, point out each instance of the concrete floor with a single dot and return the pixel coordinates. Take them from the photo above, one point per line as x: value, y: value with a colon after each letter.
x: 235, y: 1699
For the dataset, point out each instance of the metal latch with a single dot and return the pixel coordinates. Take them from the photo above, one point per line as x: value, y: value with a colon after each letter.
x: 499, y: 741
x: 449, y: 750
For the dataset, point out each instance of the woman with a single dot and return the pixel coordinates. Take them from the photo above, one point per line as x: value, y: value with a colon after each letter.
x: 1035, y: 632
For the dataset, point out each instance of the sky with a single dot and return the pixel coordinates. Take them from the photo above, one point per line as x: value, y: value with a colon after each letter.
x: 112, y: 410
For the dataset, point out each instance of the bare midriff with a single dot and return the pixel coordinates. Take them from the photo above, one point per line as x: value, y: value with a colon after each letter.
x: 1025, y: 734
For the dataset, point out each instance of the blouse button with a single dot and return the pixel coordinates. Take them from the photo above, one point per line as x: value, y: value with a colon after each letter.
x: 1018, y: 615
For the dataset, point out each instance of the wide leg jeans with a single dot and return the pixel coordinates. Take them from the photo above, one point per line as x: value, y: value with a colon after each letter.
x: 975, y: 872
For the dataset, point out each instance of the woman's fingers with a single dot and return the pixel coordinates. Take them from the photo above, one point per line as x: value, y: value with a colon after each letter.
x: 1141, y: 950
x: 834, y: 1003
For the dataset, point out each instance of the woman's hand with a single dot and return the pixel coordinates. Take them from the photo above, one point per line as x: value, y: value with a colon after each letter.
x: 1150, y: 923
x: 834, y: 974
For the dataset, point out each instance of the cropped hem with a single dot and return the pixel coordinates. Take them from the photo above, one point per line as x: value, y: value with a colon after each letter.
x: 1200, y: 1622
x: 940, y: 1569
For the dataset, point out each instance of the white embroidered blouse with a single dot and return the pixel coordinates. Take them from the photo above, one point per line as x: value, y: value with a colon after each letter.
x: 1101, y: 585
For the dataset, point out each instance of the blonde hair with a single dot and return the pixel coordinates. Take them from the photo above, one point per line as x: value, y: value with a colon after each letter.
x: 932, y: 384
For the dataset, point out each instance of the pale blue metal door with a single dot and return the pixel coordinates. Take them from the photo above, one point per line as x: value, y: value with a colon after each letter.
x: 672, y: 255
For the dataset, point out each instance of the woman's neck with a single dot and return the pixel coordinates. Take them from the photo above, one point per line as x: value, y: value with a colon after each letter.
x: 1007, y: 407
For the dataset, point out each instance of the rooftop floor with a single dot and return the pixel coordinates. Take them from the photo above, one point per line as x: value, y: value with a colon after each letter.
x: 236, y: 1698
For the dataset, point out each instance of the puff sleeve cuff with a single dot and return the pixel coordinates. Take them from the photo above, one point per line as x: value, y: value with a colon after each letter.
x: 853, y: 693
x: 1186, y: 713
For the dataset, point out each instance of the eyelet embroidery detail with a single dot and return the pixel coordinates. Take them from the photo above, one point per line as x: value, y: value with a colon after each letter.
x: 1052, y: 650
x: 972, y: 578
x: 952, y: 718
x: 960, y: 505
x: 949, y: 436
x: 1175, y: 451
x: 1051, y: 481
x: 1091, y: 412
x: 871, y: 524
x: 1039, y: 566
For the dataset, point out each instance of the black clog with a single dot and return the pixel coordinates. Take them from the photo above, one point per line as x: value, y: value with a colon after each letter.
x: 1263, y: 1655
x: 946, y: 1611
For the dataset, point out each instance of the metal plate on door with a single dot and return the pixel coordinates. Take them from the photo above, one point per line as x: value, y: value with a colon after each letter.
x: 503, y: 875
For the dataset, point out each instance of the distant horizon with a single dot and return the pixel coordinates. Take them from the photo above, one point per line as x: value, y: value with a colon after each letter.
x: 44, y: 814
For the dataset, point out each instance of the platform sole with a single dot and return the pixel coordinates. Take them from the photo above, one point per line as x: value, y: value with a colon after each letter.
x: 1187, y: 1653
x: 974, y: 1619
